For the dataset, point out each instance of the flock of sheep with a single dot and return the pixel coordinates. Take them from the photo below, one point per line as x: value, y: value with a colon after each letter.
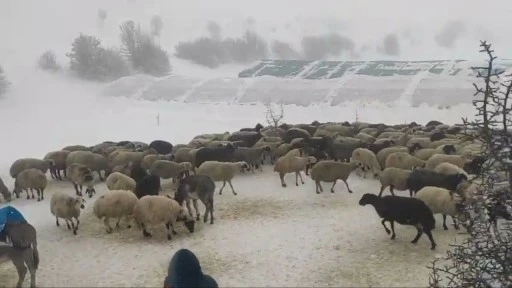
x: 435, y: 162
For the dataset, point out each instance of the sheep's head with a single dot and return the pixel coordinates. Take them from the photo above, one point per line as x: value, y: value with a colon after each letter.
x: 90, y: 191
x: 151, y: 151
x: 449, y: 149
x: 357, y: 164
x: 414, y: 147
x: 258, y: 127
x: 368, y: 198
x: 187, y: 220
x: 50, y: 162
x: 243, y: 165
x: 187, y: 165
x: 77, y: 202
x: 312, y: 160
x: 266, y: 148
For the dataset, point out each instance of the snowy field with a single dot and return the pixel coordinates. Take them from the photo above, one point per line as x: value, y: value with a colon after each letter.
x: 265, y: 236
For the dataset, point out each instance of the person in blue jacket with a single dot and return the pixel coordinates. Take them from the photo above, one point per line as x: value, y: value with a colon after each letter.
x: 185, y: 271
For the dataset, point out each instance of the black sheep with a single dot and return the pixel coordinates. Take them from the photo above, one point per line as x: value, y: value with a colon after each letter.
x: 221, y: 154
x: 437, y: 135
x: 161, y: 146
x: 405, y: 211
x: 420, y: 178
x: 246, y: 138
x: 475, y: 166
x: 433, y: 123
x: 294, y: 133
x: 376, y: 147
x: 449, y: 149
x: 257, y: 128
x: 137, y: 172
x: 149, y: 185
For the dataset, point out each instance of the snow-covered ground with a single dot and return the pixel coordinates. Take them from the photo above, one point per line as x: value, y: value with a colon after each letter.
x: 265, y: 236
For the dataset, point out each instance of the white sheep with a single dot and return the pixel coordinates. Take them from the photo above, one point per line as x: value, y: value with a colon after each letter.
x: 166, y: 169
x: 148, y: 160
x: 425, y: 154
x: 449, y: 168
x: 403, y: 160
x: 437, y: 159
x: 423, y: 142
x: 152, y: 210
x: 27, y: 163
x: 368, y: 159
x: 125, y: 157
x: 31, y: 179
x: 395, y: 178
x: 292, y: 164
x: 66, y: 207
x: 115, y: 204
x: 441, y: 201
x: 330, y: 171
x: 221, y: 171
x: 119, y: 181
x: 383, y: 154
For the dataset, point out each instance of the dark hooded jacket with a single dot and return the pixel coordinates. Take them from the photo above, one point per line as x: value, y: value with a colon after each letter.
x: 185, y: 271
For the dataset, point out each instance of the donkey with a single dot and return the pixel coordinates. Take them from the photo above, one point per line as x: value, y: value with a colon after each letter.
x: 23, y: 250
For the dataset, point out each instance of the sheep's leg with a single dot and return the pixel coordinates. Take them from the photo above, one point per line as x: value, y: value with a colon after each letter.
x: 128, y: 222
x: 332, y: 188
x: 281, y: 176
x: 67, y: 224
x: 118, y: 221
x: 65, y: 173
x: 197, y: 209
x: 384, y: 224
x: 232, y: 189
x: 57, y: 221
x: 297, y: 178
x: 209, y: 209
x: 99, y: 174
x: 432, y: 242
x: 52, y: 173
x: 261, y: 166
x: 38, y: 194
x: 106, y: 221
x: 42, y: 194
x: 59, y: 176
x: 75, y: 227
x: 455, y: 223
x: 168, y: 226
x: 28, y: 195
x: 348, y: 188
x: 420, y: 232
x: 221, y: 188
x: 145, y: 233
x: 392, y: 223
x: 382, y: 190
x: 444, y: 223
x: 317, y: 187
x: 76, y: 189
x: 392, y: 189
x: 188, y: 207
x: 410, y: 192
x: 300, y: 176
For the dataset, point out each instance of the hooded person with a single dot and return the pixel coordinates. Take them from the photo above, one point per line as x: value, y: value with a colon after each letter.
x: 185, y: 271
